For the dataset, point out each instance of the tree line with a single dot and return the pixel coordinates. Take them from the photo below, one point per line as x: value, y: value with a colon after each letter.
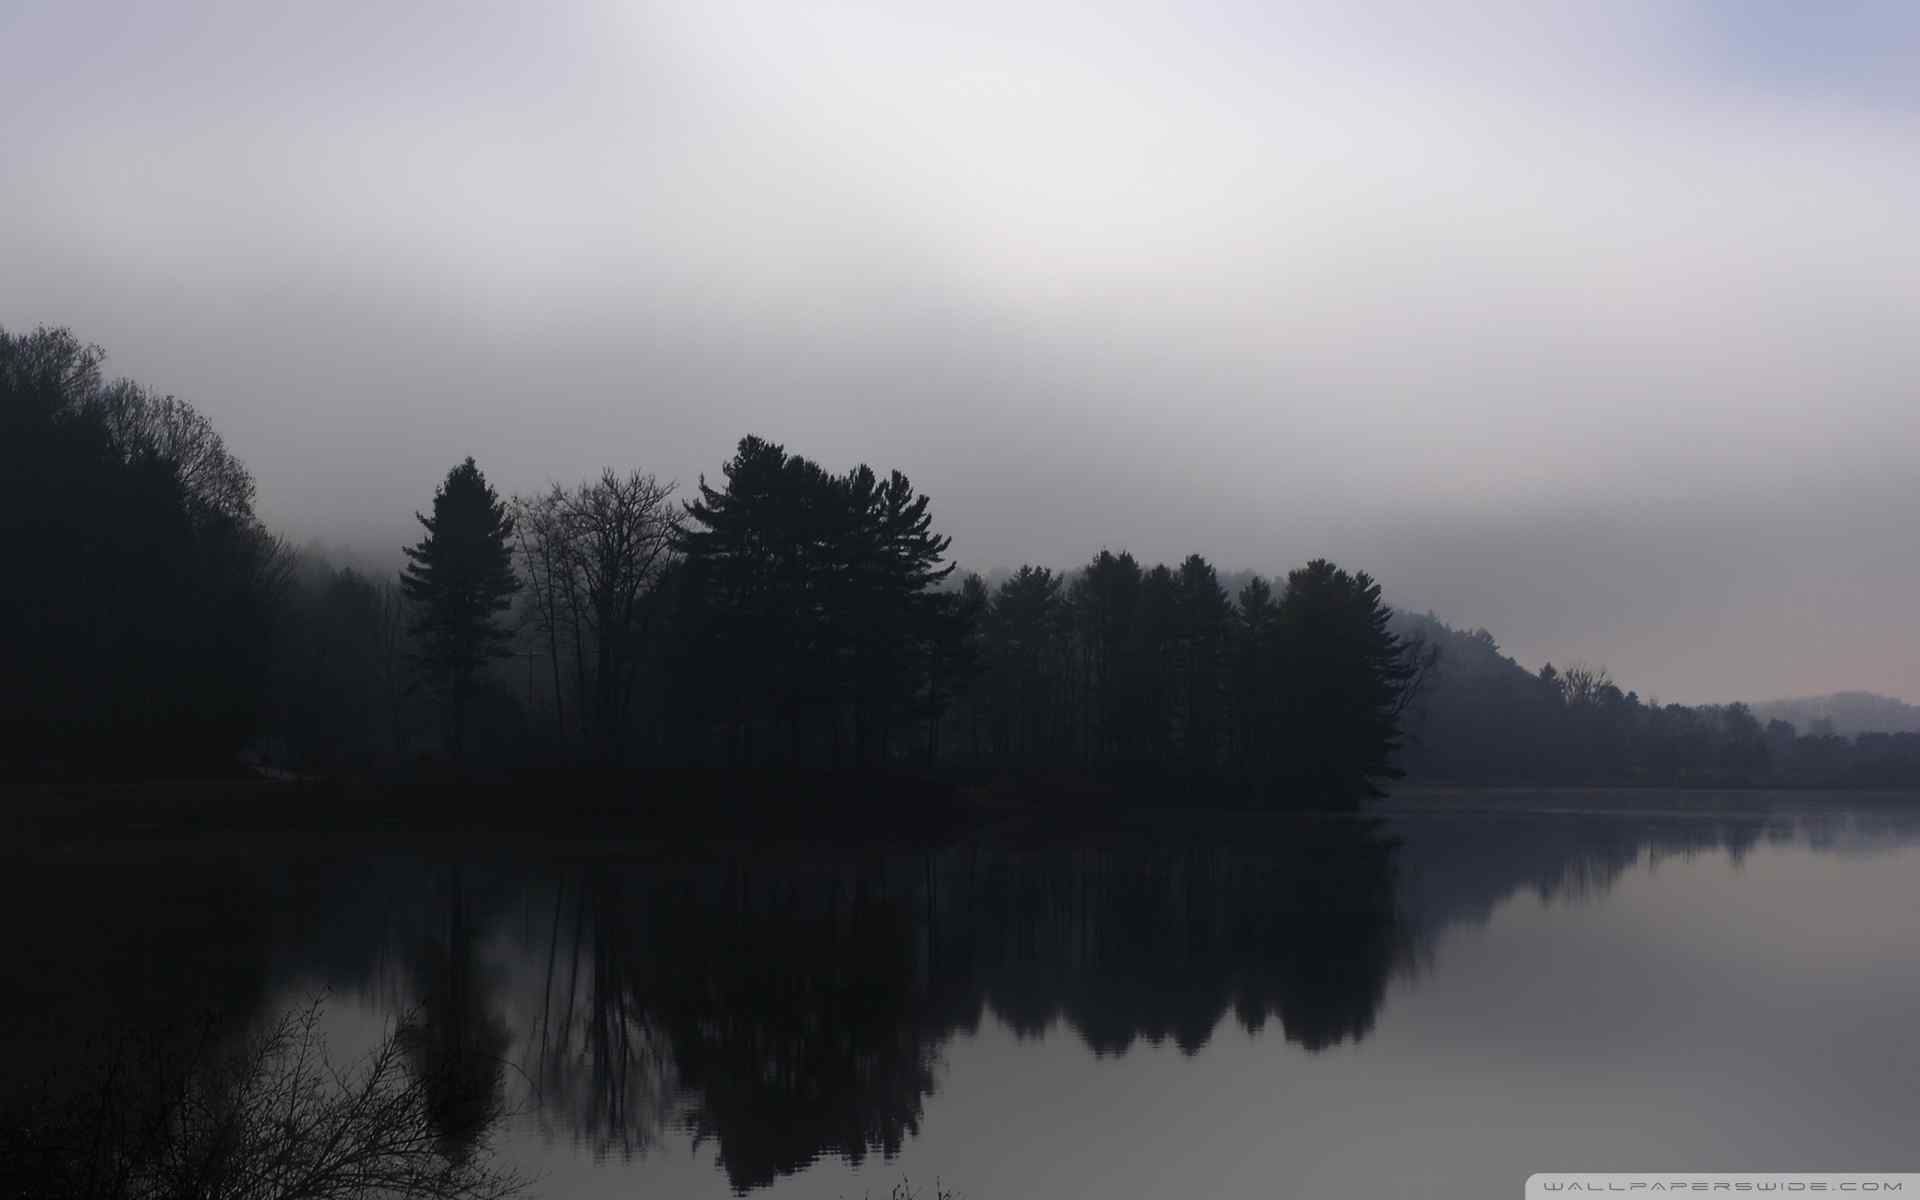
x: 1161, y: 670
x: 783, y: 615
x: 790, y: 616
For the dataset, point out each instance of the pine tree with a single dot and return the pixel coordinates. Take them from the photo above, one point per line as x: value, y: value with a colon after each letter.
x: 1105, y: 606
x: 460, y: 579
x: 1346, y: 678
x: 1204, y: 620
x: 1026, y: 628
x: 896, y: 621
x: 760, y: 647
x: 813, y: 616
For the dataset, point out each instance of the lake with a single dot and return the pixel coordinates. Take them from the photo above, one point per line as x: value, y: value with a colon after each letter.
x: 1437, y: 1001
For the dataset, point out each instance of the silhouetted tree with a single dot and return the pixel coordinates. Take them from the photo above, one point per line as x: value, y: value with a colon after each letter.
x: 952, y: 650
x: 1106, y: 610
x: 1205, y: 621
x: 885, y: 562
x: 142, y: 423
x: 1744, y: 741
x: 972, y: 701
x: 594, y: 557
x: 274, y: 1116
x: 1145, y: 676
x: 809, y: 607
x: 142, y: 618
x: 1156, y: 632
x: 1780, y: 736
x: 1026, y: 630
x: 1258, y: 702
x: 552, y: 588
x: 1346, y: 682
x: 460, y: 578
x: 752, y: 616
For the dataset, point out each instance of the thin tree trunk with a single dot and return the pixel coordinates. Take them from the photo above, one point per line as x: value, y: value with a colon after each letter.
x: 457, y: 720
x: 553, y: 653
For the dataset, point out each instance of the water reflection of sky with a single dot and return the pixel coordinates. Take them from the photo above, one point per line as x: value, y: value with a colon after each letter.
x: 1511, y: 987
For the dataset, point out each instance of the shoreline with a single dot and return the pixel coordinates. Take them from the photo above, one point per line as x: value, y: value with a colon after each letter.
x: 667, y: 813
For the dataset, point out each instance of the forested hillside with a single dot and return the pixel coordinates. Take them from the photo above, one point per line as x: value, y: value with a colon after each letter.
x: 1484, y: 718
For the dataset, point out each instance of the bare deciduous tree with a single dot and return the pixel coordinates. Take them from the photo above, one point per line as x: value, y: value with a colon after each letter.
x: 175, y: 432
x: 593, y: 557
x: 620, y: 529
x: 275, y: 1119
x: 543, y: 550
x: 1584, y: 685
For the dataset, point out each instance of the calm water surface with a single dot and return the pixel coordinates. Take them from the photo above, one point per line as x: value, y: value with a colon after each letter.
x: 1435, y: 1004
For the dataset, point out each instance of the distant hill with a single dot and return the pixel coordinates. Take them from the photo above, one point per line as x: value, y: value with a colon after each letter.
x: 1474, y: 664
x: 1851, y: 713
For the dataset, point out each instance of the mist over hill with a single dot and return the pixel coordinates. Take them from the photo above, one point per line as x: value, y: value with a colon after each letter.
x: 1850, y: 712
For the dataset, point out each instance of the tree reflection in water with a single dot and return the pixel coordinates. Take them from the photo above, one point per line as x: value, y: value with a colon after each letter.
x: 456, y: 1042
x: 783, y: 1011
x: 783, y: 1008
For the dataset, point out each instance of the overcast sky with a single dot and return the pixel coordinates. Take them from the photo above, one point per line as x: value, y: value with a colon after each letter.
x: 1594, y: 323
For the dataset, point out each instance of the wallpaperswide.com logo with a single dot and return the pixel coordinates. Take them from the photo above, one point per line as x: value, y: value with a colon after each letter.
x: 1724, y: 1183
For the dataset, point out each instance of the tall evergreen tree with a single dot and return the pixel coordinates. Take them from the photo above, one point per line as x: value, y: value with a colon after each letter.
x: 1157, y: 630
x: 952, y: 650
x: 460, y: 579
x: 973, y: 701
x: 757, y: 654
x: 1205, y: 621
x: 1106, y: 606
x: 1026, y: 627
x: 1256, y: 675
x: 1345, y: 683
x: 890, y: 560
x: 810, y: 608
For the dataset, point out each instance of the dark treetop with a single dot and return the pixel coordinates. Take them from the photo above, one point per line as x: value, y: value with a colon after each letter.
x: 460, y: 579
